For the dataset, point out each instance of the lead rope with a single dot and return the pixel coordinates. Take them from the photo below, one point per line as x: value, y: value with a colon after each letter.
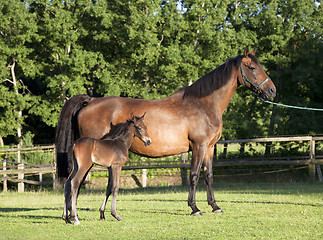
x: 288, y: 106
x: 244, y: 78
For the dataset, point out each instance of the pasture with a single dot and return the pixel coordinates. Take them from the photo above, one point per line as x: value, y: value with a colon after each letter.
x: 251, y: 211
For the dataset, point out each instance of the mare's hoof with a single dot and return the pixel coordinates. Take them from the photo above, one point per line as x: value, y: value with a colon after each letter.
x: 76, y: 222
x: 67, y: 221
x: 218, y: 211
x: 198, y: 213
x: 102, y: 216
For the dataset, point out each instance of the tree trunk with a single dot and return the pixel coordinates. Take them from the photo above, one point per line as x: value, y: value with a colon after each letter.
x: 21, y: 186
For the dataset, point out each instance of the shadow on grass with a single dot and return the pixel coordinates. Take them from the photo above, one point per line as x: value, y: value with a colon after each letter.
x: 235, y: 188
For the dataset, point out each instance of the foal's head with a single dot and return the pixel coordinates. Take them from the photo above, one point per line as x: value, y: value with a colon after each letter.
x: 140, y: 129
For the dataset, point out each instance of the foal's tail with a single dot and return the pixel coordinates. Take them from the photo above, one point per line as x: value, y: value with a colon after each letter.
x: 66, y: 132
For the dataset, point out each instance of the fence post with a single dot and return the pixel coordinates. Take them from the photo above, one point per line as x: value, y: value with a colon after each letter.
x: 184, y: 159
x: 21, y: 185
x: 40, y: 181
x: 144, y: 177
x: 56, y: 184
x: 88, y: 181
x: 311, y: 166
x: 5, y: 186
x: 319, y: 173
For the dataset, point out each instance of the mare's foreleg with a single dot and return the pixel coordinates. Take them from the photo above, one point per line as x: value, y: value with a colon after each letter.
x: 115, y: 188
x: 208, y: 174
x: 107, y: 194
x: 198, y: 154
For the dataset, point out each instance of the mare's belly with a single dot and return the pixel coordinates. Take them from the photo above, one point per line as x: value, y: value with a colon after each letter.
x: 162, y: 145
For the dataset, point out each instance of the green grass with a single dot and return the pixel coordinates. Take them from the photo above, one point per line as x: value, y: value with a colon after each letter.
x: 251, y: 211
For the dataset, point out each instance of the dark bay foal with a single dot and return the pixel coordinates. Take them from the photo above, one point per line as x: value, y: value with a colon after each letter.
x: 110, y: 151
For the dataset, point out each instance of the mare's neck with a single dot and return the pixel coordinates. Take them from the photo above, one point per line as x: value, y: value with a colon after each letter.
x: 220, y: 98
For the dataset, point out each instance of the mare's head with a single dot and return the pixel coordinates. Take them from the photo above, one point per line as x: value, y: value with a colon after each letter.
x: 140, y: 129
x: 254, y: 77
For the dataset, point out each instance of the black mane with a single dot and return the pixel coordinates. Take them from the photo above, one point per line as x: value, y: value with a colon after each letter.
x: 116, y: 130
x: 213, y: 80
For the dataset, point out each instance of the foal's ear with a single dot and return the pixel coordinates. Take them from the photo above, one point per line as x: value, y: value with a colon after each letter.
x: 246, y: 51
x: 142, y: 117
x: 132, y: 116
x: 254, y: 52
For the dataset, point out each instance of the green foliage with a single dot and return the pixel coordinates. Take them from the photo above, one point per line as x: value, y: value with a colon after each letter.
x: 149, y: 49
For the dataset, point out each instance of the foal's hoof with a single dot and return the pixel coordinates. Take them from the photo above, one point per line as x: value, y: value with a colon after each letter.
x: 218, y: 210
x: 118, y: 218
x: 198, y: 213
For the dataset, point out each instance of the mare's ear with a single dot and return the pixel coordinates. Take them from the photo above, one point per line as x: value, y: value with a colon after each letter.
x: 142, y: 117
x: 246, y: 51
x: 254, y: 52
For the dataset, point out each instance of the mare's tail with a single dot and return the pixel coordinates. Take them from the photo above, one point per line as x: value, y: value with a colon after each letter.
x: 66, y: 132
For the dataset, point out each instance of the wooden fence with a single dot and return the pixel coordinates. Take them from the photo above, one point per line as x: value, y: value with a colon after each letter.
x: 17, y: 170
x: 9, y: 169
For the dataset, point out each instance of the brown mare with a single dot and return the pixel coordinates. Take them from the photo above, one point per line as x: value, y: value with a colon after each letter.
x: 188, y: 120
x: 110, y: 151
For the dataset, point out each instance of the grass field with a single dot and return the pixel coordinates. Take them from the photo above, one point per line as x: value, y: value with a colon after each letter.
x: 251, y: 211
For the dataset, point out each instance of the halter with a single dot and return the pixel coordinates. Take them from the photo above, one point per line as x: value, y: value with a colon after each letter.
x: 244, y: 78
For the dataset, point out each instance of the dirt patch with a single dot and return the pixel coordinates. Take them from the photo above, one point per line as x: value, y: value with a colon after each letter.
x: 134, y: 181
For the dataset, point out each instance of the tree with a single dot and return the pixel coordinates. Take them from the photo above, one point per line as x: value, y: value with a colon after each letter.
x: 17, y: 31
x: 291, y: 39
x: 51, y: 50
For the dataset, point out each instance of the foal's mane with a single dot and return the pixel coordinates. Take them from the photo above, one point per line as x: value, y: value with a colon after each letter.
x: 213, y: 80
x: 116, y: 130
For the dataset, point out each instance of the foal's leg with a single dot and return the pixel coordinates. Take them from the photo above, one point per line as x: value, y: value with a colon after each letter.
x: 75, y: 185
x: 115, y: 188
x: 208, y: 174
x: 107, y: 194
x: 198, y: 154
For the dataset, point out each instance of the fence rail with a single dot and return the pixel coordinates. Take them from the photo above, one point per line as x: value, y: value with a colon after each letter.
x: 8, y: 169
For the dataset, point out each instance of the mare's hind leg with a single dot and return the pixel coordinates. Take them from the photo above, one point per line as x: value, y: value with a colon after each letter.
x: 67, y: 202
x: 116, y: 170
x: 198, y: 154
x: 68, y: 194
x: 107, y: 194
x: 208, y: 174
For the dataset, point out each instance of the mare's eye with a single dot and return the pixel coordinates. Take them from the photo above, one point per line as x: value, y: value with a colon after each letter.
x: 138, y: 129
x: 251, y: 68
